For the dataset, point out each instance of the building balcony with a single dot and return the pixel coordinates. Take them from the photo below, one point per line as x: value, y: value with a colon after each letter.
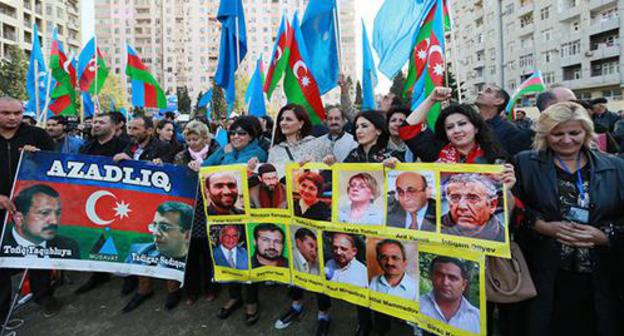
x: 592, y: 82
x: 525, y: 9
x: 596, y: 4
x: 570, y: 60
x: 526, y: 30
x: 603, y: 51
x: 599, y: 27
x: 569, y: 13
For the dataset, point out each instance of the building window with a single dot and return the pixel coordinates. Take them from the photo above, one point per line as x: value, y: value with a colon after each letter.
x: 572, y: 72
x: 526, y: 60
x: 492, y: 69
x: 511, y: 84
x: 571, y: 48
x: 545, y: 13
x: 605, y: 67
x: 549, y: 77
x: 547, y: 34
x: 526, y: 20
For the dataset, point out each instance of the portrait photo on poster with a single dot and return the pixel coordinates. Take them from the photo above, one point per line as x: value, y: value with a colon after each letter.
x: 305, y: 249
x: 450, y: 291
x: 229, y: 246
x: 344, y: 255
x: 360, y: 200
x: 33, y: 229
x: 411, y: 200
x: 171, y: 234
x: 393, y: 267
x: 267, y: 187
x: 224, y: 193
x: 268, y: 245
x: 472, y: 206
x: 312, y: 193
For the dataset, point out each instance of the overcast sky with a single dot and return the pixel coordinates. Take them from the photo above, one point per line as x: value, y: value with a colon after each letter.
x: 366, y: 9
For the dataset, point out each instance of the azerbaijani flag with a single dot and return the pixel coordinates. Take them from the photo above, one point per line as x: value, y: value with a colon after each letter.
x: 88, y: 65
x: 279, y: 57
x: 533, y: 84
x: 64, y: 73
x: 145, y: 89
x: 427, y: 63
x: 300, y: 86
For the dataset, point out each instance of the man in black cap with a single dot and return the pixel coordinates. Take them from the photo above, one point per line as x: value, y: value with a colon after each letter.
x: 602, y: 116
x: 269, y: 193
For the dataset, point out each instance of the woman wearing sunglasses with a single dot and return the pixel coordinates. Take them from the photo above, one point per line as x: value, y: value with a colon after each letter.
x: 243, y: 145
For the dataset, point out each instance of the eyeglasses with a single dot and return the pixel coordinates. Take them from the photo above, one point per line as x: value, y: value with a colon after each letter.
x: 239, y: 133
x: 470, y: 198
x: 410, y: 192
x: 162, y: 227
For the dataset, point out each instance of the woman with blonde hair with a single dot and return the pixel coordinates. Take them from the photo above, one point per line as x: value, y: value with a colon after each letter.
x: 574, y: 226
x: 362, y: 191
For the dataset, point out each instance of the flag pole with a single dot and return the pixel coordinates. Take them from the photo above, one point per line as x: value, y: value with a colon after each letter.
x: 337, y: 34
x: 44, y: 114
x: 38, y: 108
x: 454, y: 62
x: 236, y: 28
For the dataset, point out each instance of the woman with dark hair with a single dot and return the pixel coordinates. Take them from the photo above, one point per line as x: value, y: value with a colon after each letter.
x: 461, y: 134
x: 242, y: 147
x: 293, y: 141
x: 165, y: 132
x: 396, y: 116
x: 310, y: 187
x: 372, y: 137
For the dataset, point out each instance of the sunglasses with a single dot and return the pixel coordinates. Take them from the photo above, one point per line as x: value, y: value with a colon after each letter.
x: 239, y: 133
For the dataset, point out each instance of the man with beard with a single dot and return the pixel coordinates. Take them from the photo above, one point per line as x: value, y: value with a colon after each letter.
x: 446, y: 302
x: 56, y: 127
x: 394, y: 280
x: 269, y: 241
x: 16, y: 137
x: 341, y: 142
x: 344, y: 267
x: 269, y: 193
x: 103, y: 140
x: 222, y: 189
x: 306, y: 252
x: 144, y: 145
x: 472, y: 200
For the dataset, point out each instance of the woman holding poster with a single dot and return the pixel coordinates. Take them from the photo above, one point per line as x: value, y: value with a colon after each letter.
x: 573, y: 195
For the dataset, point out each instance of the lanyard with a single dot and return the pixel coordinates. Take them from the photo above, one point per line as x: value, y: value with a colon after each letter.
x: 579, y: 177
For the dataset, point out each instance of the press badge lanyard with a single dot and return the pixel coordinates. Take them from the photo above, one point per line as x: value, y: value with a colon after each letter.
x: 579, y: 178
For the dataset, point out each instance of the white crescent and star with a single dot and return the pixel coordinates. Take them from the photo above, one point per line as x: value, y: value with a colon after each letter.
x: 121, y: 210
x: 278, y: 55
x: 91, y: 65
x: 305, y: 80
x: 438, y: 68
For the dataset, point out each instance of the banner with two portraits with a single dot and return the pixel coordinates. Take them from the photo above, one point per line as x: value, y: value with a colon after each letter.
x: 408, y: 241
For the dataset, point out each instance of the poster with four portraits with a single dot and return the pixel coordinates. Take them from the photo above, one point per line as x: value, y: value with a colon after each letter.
x: 409, y: 241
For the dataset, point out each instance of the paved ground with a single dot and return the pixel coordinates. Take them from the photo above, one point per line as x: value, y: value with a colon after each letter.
x: 99, y: 313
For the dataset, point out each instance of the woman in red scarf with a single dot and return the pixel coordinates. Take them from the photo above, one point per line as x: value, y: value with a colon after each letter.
x: 461, y: 134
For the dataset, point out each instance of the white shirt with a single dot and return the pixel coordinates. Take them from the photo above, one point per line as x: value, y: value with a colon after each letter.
x: 227, y: 252
x: 466, y: 318
x: 21, y: 241
x: 342, y: 146
x: 420, y: 216
x: 302, y: 265
x: 354, y: 273
x: 406, y: 289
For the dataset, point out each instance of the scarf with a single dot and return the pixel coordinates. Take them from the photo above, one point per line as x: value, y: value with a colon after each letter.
x: 199, y: 156
x: 272, y: 200
x: 450, y: 154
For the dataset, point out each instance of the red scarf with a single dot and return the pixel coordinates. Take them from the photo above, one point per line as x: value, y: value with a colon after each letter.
x: 450, y: 154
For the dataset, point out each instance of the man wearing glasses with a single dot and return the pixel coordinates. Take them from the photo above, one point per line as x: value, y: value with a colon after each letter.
x: 410, y: 209
x: 171, y: 231
x: 472, y: 201
x: 269, y: 241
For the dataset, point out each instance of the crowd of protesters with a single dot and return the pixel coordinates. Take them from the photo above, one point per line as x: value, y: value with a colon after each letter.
x: 565, y: 158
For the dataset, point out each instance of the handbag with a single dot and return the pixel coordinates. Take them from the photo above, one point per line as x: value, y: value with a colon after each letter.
x: 508, y: 280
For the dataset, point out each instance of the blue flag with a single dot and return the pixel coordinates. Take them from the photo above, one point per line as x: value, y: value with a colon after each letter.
x: 369, y: 73
x: 254, y: 97
x: 37, y: 76
x: 319, y: 32
x: 205, y: 101
x: 395, y: 30
x: 233, y: 38
x: 87, y: 105
x: 221, y: 137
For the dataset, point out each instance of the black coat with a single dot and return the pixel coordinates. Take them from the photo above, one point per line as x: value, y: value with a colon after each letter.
x: 537, y: 188
x: 155, y: 149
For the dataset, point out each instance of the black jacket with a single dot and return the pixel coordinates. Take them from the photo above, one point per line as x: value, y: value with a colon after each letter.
x: 155, y: 149
x: 375, y: 155
x: 513, y: 138
x: 537, y: 188
x: 10, y: 154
